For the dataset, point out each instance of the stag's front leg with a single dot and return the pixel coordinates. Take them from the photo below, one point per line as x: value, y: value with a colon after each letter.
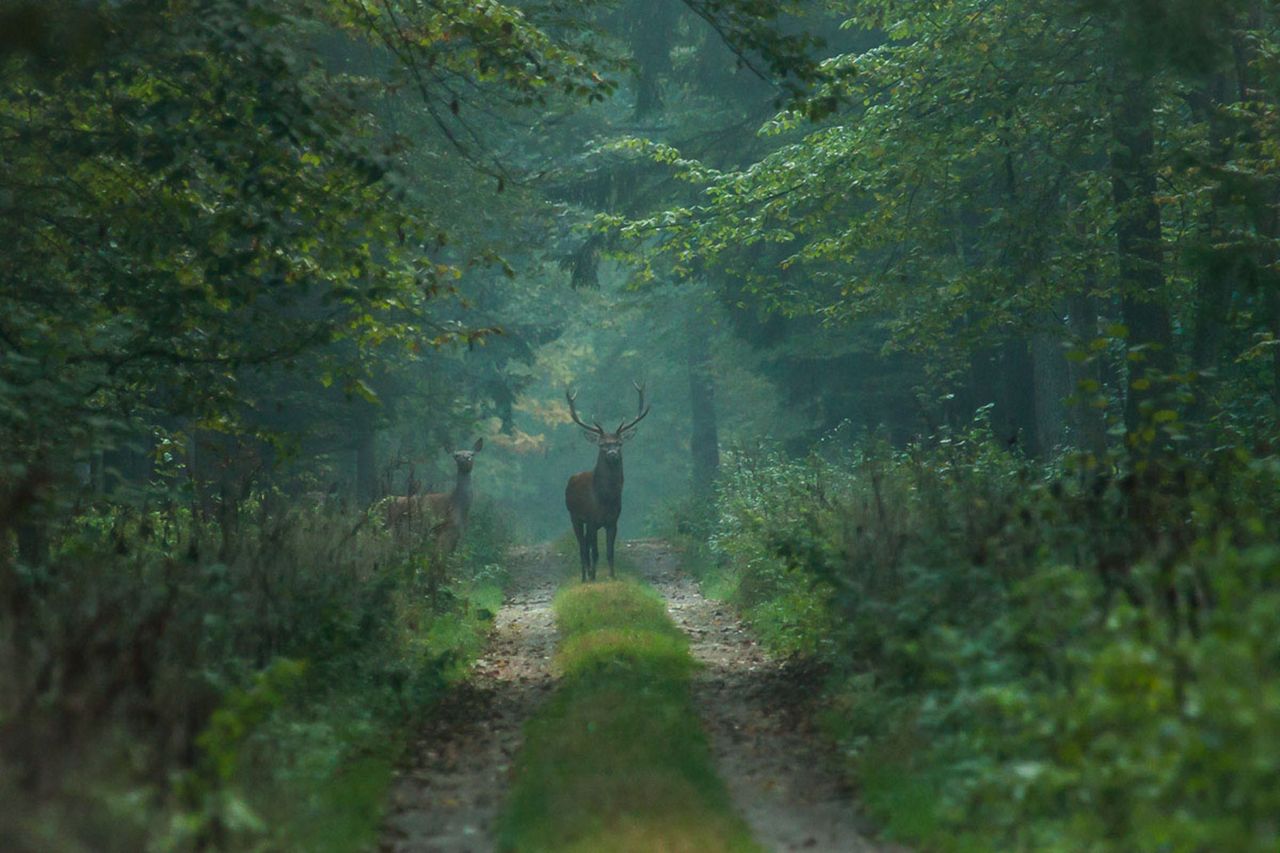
x: 593, y: 539
x: 584, y: 553
x: 610, y: 534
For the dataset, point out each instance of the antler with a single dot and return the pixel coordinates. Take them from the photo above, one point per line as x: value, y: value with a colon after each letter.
x: 573, y: 413
x: 642, y: 409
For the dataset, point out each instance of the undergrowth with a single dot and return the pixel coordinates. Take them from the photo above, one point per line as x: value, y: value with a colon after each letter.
x: 617, y: 759
x: 1026, y: 656
x: 253, y: 700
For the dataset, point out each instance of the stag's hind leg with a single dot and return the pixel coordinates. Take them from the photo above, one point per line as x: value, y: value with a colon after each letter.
x: 610, y: 534
x: 593, y: 542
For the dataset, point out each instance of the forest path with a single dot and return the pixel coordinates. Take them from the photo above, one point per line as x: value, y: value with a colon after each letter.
x: 447, y: 796
x: 778, y: 768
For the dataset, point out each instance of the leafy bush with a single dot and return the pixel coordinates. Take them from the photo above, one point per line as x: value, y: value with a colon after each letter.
x: 1029, y: 656
x: 154, y: 701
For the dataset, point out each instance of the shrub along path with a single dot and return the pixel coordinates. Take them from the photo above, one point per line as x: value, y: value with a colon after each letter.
x: 779, y: 774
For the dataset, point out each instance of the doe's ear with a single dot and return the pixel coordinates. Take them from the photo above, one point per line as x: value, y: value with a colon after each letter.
x: 479, y: 445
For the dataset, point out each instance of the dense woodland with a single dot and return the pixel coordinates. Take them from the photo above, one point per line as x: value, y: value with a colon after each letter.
x: 959, y: 321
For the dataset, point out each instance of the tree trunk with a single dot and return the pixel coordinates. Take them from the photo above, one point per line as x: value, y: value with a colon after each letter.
x: 33, y: 542
x: 1089, y: 420
x: 705, y: 442
x: 1015, y: 414
x: 1052, y: 387
x: 1274, y: 301
x: 1138, y: 234
x: 1220, y: 272
x: 366, y: 466
x: 651, y: 52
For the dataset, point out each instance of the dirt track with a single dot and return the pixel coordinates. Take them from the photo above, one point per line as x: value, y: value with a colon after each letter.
x: 776, y: 766
x: 448, y: 795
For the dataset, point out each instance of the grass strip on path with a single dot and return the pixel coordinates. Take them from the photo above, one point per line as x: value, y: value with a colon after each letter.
x: 617, y: 759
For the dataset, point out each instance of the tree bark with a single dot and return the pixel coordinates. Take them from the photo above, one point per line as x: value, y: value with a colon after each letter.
x: 651, y: 50
x: 1138, y: 242
x: 366, y: 466
x: 1088, y: 420
x: 705, y: 442
x: 1052, y: 387
x: 1014, y: 417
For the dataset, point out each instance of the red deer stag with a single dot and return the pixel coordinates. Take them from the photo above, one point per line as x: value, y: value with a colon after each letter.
x: 594, y: 498
x: 445, y: 512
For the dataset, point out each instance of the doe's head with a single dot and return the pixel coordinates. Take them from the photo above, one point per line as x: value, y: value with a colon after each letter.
x: 465, y: 459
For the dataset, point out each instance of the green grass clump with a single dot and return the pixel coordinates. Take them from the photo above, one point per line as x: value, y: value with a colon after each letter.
x: 617, y: 760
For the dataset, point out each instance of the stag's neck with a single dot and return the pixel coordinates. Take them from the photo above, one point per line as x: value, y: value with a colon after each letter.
x: 607, y: 479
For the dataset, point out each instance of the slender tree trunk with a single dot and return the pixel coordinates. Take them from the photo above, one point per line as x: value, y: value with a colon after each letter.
x: 705, y: 443
x: 1015, y: 415
x: 33, y: 542
x: 205, y: 455
x: 1087, y: 381
x: 1266, y: 213
x: 1274, y: 302
x: 1220, y: 272
x: 1138, y: 235
x: 1214, y: 287
x: 366, y: 466
x: 228, y: 518
x: 979, y: 388
x: 1052, y: 387
x: 651, y: 50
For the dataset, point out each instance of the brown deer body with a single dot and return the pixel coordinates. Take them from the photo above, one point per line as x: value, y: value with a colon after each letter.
x: 444, y: 514
x: 594, y: 498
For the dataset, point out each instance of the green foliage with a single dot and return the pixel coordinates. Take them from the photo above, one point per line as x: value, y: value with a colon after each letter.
x: 240, y: 235
x: 1022, y: 657
x: 197, y: 201
x: 180, y: 703
x: 961, y: 191
x: 617, y: 759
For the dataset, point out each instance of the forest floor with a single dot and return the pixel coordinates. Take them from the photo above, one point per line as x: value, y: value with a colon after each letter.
x: 756, y: 709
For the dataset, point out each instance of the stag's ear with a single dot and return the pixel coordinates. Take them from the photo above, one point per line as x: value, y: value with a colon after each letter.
x: 626, y: 435
x: 479, y: 445
x: 592, y: 437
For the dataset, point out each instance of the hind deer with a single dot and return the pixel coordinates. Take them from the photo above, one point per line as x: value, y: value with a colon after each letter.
x: 445, y: 512
x: 594, y: 498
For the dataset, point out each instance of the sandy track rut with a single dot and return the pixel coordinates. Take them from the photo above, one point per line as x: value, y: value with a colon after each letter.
x: 447, y: 796
x: 777, y: 768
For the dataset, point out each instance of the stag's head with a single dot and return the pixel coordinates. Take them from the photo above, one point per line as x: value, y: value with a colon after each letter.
x: 467, y: 458
x: 610, y: 443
